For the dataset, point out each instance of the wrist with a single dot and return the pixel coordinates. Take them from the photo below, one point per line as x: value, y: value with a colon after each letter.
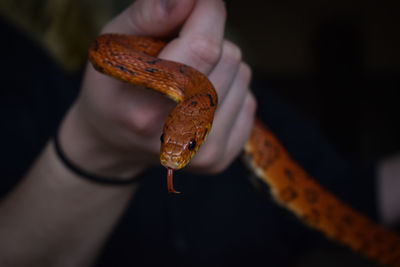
x: 86, y: 150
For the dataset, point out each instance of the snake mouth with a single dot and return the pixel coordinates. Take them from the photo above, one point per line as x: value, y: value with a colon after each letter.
x: 172, y: 162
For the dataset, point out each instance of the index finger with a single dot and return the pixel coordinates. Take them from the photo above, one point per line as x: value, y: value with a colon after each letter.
x: 199, y: 44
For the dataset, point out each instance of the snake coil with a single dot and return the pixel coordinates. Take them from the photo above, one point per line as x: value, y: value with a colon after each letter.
x: 133, y: 59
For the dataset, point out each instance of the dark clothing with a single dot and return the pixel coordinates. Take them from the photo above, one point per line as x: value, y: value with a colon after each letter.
x: 34, y: 96
x: 216, y: 221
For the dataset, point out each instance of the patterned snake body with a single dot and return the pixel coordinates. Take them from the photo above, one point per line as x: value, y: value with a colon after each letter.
x: 132, y: 59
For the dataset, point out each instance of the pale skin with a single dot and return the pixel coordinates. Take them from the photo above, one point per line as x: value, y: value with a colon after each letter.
x: 55, y: 218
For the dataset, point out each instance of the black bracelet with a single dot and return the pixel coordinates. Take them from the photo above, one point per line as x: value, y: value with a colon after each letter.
x: 86, y: 175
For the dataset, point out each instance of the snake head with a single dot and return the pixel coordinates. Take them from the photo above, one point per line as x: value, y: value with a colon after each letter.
x: 181, y: 138
x: 177, y: 150
x: 186, y: 127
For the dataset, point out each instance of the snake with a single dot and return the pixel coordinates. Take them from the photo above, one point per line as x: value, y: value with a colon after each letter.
x: 133, y: 59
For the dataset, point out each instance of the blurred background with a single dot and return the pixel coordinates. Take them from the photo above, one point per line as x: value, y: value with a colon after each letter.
x: 338, y: 61
x: 335, y: 62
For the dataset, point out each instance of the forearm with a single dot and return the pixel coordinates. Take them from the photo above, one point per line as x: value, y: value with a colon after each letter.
x: 54, y: 218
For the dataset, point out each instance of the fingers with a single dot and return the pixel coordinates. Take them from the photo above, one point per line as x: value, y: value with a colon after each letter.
x: 241, y: 131
x: 232, y: 123
x: 200, y: 44
x: 232, y: 104
x: 155, y: 18
x: 221, y: 149
x: 200, y: 41
x: 225, y: 71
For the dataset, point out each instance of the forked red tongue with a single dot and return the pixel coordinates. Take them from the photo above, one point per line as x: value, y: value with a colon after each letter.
x: 170, y: 181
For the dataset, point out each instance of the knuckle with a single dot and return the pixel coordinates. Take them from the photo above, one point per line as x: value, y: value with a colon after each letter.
x: 231, y: 52
x: 224, y: 11
x: 206, y: 50
x: 210, y: 155
x: 219, y: 167
x: 144, y: 123
x: 137, y: 18
x: 245, y: 72
x: 250, y: 105
x: 141, y: 17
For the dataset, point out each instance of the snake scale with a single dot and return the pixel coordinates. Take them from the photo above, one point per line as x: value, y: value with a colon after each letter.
x: 133, y: 60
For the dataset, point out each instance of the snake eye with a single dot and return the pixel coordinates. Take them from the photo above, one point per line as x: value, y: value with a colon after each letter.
x: 162, y: 138
x: 192, y: 144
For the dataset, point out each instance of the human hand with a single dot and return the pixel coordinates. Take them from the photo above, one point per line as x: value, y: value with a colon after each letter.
x: 114, y: 128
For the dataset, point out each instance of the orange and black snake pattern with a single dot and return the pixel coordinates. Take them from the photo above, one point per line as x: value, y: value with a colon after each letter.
x: 133, y: 59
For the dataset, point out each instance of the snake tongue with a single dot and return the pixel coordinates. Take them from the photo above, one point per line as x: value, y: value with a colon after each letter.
x: 170, y: 181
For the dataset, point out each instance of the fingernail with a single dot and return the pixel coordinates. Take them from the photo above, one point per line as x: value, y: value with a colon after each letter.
x: 169, y: 5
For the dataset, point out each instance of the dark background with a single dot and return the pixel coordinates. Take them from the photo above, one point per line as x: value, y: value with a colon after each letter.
x: 326, y: 76
x: 336, y: 61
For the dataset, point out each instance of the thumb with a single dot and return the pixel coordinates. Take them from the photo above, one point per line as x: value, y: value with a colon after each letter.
x: 156, y: 18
